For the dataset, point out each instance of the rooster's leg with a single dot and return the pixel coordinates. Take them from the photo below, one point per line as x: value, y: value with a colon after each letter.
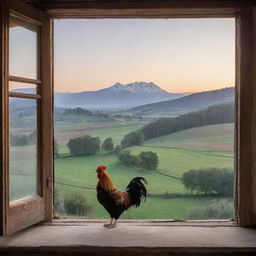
x: 112, y: 225
x: 106, y: 225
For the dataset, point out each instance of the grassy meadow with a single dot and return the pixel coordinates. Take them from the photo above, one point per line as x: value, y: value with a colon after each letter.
x: 208, y: 146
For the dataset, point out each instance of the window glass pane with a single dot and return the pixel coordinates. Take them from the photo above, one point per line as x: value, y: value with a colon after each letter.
x: 23, y: 148
x: 23, y: 48
x: 22, y: 87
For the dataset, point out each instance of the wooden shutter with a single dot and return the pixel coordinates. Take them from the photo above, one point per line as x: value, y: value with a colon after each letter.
x: 26, y: 116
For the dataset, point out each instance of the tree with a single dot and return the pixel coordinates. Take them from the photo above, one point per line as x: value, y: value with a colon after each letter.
x: 129, y: 160
x: 190, y: 180
x: 118, y: 149
x: 32, y: 138
x: 85, y: 145
x: 108, y: 144
x: 18, y: 140
x: 224, y: 182
x: 216, y: 114
x: 149, y: 160
x: 132, y: 139
x: 209, y: 181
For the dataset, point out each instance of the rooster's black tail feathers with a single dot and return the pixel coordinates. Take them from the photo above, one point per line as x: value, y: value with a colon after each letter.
x: 137, y: 190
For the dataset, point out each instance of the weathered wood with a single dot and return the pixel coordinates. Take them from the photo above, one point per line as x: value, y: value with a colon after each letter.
x: 24, y: 95
x: 127, y: 252
x: 47, y: 116
x: 24, y: 80
x: 27, y: 12
x: 3, y: 114
x: 244, y: 117
x: 143, y: 13
x: 253, y: 138
x: 93, y: 239
x: 24, y: 213
x: 69, y: 4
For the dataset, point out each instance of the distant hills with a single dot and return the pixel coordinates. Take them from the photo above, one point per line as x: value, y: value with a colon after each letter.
x: 140, y: 98
x: 115, y: 96
x: 192, y: 102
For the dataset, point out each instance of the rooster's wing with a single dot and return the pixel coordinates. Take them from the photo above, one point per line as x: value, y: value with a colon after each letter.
x: 121, y: 198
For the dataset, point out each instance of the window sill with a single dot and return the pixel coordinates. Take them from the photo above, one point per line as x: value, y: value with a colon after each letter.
x: 131, y: 237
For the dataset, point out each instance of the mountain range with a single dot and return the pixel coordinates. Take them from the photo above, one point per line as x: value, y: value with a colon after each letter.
x: 139, y: 97
x: 115, y: 96
x: 192, y: 102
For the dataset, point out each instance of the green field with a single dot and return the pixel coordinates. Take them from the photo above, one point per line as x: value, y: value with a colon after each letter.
x: 116, y: 129
x: 177, y: 154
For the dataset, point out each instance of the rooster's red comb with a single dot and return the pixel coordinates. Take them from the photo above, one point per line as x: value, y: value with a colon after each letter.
x: 101, y: 168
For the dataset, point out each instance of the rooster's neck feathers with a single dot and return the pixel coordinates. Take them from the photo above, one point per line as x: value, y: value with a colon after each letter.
x: 106, y: 183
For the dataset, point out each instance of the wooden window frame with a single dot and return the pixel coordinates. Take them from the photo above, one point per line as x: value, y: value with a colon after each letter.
x: 18, y: 214
x: 245, y: 132
x: 245, y: 82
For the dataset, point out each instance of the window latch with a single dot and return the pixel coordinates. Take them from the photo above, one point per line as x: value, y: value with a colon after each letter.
x: 48, y: 182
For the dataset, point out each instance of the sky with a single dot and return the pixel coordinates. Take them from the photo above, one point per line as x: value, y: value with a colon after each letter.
x: 179, y: 55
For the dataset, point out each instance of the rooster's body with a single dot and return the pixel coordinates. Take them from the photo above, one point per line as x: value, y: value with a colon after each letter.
x: 115, y: 201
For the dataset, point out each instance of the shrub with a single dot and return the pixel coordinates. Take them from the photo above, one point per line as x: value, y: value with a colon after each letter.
x: 18, y: 140
x: 76, y: 204
x: 149, y: 160
x: 222, y: 209
x: 108, y: 144
x: 132, y: 139
x: 85, y: 145
x: 118, y: 149
x: 129, y: 160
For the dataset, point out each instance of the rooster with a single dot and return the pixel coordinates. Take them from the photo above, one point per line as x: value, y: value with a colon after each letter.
x: 116, y: 201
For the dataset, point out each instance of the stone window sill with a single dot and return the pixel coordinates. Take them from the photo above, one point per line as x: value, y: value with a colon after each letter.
x: 132, y: 237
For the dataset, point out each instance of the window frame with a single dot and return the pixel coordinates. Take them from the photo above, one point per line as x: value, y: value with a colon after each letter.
x: 245, y: 131
x: 243, y: 86
x: 17, y: 215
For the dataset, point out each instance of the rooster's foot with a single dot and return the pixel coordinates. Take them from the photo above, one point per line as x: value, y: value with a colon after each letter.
x: 107, y: 225
x: 111, y: 224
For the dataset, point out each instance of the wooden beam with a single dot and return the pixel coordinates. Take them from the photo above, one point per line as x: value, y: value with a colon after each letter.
x: 141, y: 8
x: 68, y: 4
x: 24, y: 80
x: 3, y: 114
x: 24, y: 95
x: 47, y: 115
x: 144, y: 13
x: 253, y: 191
x: 244, y: 117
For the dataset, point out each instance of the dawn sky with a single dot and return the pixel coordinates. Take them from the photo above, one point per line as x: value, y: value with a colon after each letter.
x: 179, y: 55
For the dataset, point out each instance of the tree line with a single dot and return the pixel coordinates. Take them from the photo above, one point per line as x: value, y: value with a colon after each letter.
x: 23, y: 140
x: 217, y: 114
x: 87, y: 145
x: 147, y: 160
x: 209, y: 181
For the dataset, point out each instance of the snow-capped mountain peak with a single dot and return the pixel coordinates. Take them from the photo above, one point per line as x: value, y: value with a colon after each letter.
x: 137, y: 87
